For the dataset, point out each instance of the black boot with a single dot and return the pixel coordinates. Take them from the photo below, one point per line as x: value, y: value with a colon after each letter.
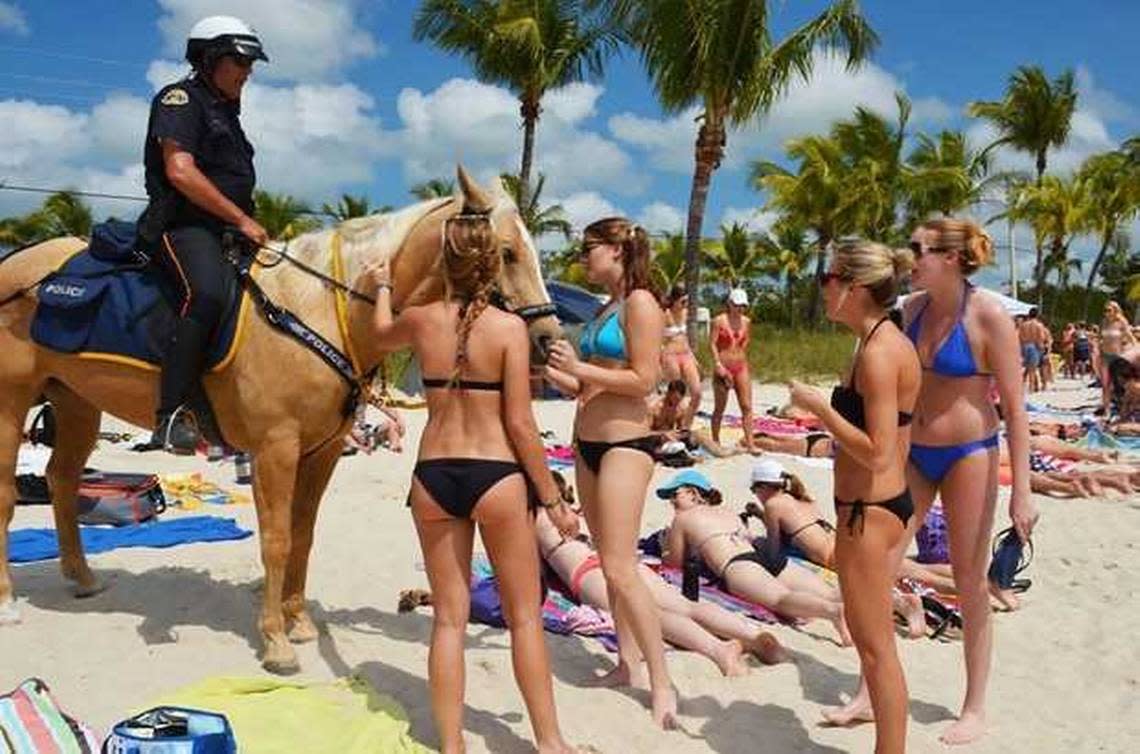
x: 175, y: 429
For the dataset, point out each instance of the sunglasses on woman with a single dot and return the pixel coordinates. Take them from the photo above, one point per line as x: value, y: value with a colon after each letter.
x: 918, y: 249
x: 827, y: 276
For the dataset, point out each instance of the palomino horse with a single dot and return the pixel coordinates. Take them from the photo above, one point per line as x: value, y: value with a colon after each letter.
x: 275, y: 399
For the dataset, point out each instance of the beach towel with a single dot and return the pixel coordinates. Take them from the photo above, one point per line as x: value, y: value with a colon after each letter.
x: 32, y: 723
x: 28, y: 545
x: 268, y: 716
x: 1097, y: 438
x: 190, y: 492
x: 710, y: 593
x: 560, y: 614
x: 560, y: 456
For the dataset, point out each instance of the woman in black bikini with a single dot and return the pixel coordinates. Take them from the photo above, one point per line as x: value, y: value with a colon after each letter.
x: 869, y: 416
x: 478, y: 451
x: 718, y: 537
x: 621, y: 350
x: 789, y: 513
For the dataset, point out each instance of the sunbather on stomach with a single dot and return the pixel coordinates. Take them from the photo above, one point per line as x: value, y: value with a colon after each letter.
x: 725, y: 546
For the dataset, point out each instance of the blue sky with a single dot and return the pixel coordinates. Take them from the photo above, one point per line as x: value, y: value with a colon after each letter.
x: 352, y: 103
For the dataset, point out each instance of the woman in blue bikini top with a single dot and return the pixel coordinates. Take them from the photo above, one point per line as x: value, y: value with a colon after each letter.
x: 618, y: 369
x: 956, y: 330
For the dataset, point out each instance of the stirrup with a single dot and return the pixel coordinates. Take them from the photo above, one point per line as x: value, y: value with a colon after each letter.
x: 176, y: 420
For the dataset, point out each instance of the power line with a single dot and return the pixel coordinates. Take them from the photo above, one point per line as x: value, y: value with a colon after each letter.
x: 122, y: 197
x: 69, y: 56
x: 85, y: 83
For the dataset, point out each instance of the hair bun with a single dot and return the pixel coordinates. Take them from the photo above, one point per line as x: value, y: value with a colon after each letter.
x: 980, y: 245
x: 902, y: 259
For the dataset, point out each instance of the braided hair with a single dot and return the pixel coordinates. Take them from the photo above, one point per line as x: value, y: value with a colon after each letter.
x: 471, y: 266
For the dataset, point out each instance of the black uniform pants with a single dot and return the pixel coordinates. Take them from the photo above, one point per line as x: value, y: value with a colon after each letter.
x: 192, y: 257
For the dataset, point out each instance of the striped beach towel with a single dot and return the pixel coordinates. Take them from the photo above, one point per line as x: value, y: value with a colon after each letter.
x: 32, y: 723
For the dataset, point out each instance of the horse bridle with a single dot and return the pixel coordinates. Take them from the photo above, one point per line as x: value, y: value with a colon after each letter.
x: 528, y: 313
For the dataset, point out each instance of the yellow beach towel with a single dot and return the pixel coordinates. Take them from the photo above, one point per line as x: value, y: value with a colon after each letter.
x: 347, y: 716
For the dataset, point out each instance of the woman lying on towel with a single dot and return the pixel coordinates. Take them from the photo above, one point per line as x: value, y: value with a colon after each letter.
x: 791, y: 515
x: 1053, y: 470
x: 695, y: 626
x: 725, y: 545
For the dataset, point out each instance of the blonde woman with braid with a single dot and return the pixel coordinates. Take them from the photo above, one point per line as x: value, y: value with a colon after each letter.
x: 479, y: 450
x: 617, y: 371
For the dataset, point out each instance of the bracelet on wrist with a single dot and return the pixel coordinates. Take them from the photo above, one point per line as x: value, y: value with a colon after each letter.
x: 383, y: 286
x: 554, y: 502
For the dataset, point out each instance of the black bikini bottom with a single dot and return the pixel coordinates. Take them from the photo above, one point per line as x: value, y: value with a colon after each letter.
x: 812, y: 438
x: 901, y: 505
x: 457, y: 484
x: 759, y: 555
x: 591, y: 451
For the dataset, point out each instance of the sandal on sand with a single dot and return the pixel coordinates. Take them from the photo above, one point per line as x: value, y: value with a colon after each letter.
x: 410, y: 599
x: 942, y: 618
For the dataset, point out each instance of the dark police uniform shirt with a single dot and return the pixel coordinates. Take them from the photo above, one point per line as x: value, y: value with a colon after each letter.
x: 207, y: 126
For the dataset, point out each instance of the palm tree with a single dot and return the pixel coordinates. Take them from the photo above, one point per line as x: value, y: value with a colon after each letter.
x: 873, y: 149
x: 62, y: 214
x: 721, y: 57
x: 669, y: 260
x: 943, y: 174
x: 785, y: 254
x: 282, y: 216
x: 348, y: 207
x: 538, y: 220
x: 1034, y: 115
x: 529, y: 47
x: 1114, y: 189
x: 735, y: 259
x: 435, y: 188
x: 819, y: 196
x: 1132, y: 149
x: 1057, y: 210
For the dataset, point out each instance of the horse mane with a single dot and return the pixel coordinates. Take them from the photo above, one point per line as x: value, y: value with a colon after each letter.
x: 363, y: 239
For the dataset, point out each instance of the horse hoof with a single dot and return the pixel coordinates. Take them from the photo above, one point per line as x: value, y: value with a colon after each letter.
x: 281, y: 667
x: 90, y: 588
x: 303, y: 630
x: 9, y: 613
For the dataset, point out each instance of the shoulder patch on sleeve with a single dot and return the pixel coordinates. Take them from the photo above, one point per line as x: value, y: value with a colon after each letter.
x: 175, y: 97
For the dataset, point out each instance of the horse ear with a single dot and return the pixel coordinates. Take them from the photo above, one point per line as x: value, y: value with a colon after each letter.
x: 475, y: 199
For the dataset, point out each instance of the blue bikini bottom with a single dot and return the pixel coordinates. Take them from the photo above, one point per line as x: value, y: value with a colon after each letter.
x: 935, y: 461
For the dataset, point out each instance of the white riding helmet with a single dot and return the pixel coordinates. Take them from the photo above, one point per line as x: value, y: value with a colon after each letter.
x: 215, y: 36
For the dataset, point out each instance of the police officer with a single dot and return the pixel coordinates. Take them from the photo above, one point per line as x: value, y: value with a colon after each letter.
x: 200, y: 179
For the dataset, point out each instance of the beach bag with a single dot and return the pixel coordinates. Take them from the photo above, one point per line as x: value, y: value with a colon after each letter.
x: 119, y: 499
x: 32, y: 723
x: 172, y: 730
x: 932, y: 538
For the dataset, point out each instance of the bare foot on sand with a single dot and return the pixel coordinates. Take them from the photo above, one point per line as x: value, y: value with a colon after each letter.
x: 621, y: 675
x: 768, y: 649
x: 969, y: 727
x: 910, y: 607
x: 730, y: 659
x: 664, y: 707
x: 1005, y: 598
x: 856, y: 711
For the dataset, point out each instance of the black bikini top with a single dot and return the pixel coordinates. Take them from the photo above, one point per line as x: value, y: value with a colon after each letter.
x: 846, y: 400
x: 462, y: 384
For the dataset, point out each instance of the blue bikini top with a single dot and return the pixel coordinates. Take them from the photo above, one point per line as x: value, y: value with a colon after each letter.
x: 603, y: 337
x: 954, y: 357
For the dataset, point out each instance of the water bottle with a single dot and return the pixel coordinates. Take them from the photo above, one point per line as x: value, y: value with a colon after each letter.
x: 691, y: 578
x: 243, y: 470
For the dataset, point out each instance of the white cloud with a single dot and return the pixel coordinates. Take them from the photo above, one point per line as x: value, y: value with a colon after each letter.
x: 478, y: 124
x: 752, y: 218
x: 830, y: 95
x: 660, y: 217
x: 305, y: 39
x: 12, y: 19
x: 585, y: 207
x: 118, y: 127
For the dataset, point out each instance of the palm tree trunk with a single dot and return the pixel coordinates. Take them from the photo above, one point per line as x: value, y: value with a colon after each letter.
x: 709, y: 150
x: 820, y: 263
x: 1105, y: 240
x: 529, y: 110
x: 1039, y: 270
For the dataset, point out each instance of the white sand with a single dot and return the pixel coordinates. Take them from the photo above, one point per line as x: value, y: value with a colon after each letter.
x: 1065, y: 676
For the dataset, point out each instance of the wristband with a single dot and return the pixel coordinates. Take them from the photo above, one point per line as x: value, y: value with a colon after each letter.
x: 382, y: 286
x: 552, y: 503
